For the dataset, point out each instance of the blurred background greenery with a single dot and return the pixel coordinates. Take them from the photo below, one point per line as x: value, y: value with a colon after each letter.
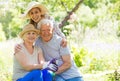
x: 94, y: 35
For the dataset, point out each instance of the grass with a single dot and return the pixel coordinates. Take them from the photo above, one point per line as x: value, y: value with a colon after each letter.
x: 6, y: 59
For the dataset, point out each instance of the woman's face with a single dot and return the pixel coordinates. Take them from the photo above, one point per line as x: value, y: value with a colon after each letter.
x: 35, y: 14
x: 30, y: 36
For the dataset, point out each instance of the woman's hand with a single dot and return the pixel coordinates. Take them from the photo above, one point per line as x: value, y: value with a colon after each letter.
x: 64, y: 42
x: 17, y: 48
x: 51, y: 65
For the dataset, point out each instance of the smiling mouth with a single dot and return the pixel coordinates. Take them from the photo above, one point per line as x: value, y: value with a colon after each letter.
x: 35, y: 19
x: 31, y: 38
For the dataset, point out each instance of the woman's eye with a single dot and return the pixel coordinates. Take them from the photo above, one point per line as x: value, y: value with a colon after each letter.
x: 33, y: 33
x: 28, y: 33
x: 31, y: 13
x: 36, y: 12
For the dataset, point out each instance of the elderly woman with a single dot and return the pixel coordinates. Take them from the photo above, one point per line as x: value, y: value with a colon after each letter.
x: 29, y: 61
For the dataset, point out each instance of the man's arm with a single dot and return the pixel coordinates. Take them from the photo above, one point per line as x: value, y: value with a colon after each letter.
x: 66, y: 64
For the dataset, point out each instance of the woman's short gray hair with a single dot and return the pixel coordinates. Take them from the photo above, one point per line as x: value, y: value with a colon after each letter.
x: 43, y: 22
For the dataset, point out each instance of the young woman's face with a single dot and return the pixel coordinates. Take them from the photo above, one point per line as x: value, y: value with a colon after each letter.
x: 35, y: 14
x: 30, y: 36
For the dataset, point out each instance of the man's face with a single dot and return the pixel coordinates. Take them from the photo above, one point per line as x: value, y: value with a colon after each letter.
x: 46, y: 32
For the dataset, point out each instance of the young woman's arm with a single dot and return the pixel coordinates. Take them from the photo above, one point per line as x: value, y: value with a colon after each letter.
x: 60, y: 33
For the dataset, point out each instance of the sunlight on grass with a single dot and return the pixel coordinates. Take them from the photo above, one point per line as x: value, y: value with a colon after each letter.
x: 6, y: 59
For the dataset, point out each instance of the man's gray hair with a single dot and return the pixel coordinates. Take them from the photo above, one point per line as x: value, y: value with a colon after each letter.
x: 43, y: 22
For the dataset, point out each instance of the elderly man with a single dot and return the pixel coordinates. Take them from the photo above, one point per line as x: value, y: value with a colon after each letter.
x: 50, y: 44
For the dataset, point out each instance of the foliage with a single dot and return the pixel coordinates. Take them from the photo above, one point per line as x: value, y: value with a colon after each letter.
x: 5, y: 68
x: 88, y: 18
x: 2, y: 34
x: 67, y: 30
x: 97, y: 77
x: 110, y: 77
x: 91, y: 3
x: 79, y: 56
x: 115, y: 76
x: 97, y: 65
x: 5, y: 20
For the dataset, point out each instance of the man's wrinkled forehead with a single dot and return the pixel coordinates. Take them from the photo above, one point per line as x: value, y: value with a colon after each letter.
x: 46, y: 26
